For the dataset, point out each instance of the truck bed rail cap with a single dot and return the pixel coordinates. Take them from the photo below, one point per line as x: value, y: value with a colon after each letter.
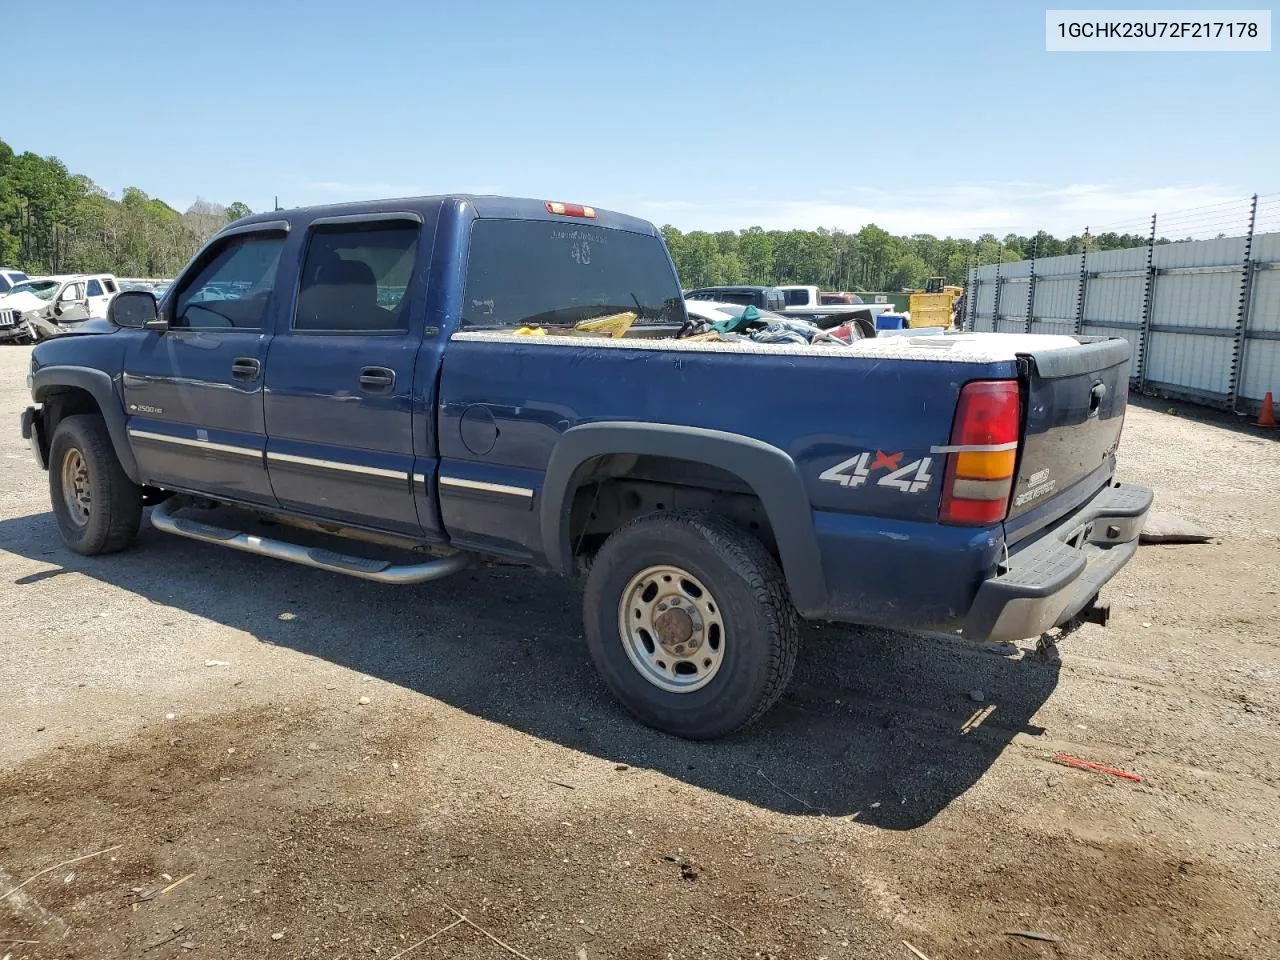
x: 975, y: 348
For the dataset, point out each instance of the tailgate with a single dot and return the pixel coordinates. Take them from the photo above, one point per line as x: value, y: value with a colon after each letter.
x: 1075, y: 404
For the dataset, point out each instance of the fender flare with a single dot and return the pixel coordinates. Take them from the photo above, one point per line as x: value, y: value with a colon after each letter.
x: 768, y: 471
x: 99, y: 386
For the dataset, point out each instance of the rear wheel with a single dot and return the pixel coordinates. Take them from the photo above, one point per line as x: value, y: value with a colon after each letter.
x: 689, y: 622
x: 96, y: 505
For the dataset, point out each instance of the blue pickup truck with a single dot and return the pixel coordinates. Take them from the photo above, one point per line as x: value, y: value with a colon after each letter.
x: 366, y: 370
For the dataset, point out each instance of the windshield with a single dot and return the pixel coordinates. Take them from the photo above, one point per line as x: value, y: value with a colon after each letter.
x: 526, y: 272
x: 44, y: 289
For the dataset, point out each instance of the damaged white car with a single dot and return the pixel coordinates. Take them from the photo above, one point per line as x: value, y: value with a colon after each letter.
x: 45, y: 307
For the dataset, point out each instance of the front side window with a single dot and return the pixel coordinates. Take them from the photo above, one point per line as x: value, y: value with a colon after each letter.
x: 355, y: 277
x: 72, y: 292
x: 797, y: 298
x: 232, y: 289
x: 526, y: 272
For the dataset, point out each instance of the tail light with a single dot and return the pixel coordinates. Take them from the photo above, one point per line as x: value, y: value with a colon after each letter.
x: 982, y: 455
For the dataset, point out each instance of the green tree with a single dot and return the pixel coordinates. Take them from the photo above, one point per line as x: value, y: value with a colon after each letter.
x: 755, y: 251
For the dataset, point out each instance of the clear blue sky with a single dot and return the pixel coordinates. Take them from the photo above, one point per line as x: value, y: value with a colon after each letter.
x: 945, y: 117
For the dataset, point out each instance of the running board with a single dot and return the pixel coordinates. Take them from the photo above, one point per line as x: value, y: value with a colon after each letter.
x: 379, y: 571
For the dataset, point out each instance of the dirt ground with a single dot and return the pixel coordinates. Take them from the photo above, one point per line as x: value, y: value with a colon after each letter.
x: 258, y: 760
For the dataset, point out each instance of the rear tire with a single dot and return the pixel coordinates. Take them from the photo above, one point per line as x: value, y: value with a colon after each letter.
x: 96, y: 505
x: 690, y: 624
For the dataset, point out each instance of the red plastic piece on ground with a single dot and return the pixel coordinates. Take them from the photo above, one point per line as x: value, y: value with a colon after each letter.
x: 1070, y: 761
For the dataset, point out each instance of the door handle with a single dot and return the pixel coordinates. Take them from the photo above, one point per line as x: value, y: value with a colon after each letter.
x: 246, y: 368
x: 377, y: 379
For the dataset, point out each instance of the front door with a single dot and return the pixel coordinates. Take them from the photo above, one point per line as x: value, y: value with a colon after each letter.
x: 194, y: 393
x: 71, y: 306
x: 340, y: 398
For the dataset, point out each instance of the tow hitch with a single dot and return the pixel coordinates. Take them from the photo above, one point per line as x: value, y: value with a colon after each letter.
x: 1095, y: 612
x: 1098, y: 613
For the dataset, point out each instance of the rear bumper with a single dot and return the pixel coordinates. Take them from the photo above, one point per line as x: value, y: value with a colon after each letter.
x: 33, y: 432
x: 1049, y: 582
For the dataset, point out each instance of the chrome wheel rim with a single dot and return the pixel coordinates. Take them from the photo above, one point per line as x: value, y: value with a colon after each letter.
x: 672, y: 629
x: 75, y: 487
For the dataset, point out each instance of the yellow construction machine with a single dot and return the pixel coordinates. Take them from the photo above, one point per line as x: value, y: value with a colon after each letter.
x: 934, y: 305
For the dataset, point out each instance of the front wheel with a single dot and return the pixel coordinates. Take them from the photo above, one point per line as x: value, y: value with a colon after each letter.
x: 96, y: 505
x: 690, y: 624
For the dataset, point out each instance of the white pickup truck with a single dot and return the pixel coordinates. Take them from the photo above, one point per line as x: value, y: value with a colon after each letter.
x: 805, y: 302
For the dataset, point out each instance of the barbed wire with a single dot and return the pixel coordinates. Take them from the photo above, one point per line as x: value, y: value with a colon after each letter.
x: 1226, y: 219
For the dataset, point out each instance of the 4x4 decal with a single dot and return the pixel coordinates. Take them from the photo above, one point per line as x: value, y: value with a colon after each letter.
x: 914, y: 477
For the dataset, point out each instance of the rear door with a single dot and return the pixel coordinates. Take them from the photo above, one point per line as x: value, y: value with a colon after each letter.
x: 340, y: 403
x: 98, y: 297
x: 1075, y: 399
x: 193, y: 394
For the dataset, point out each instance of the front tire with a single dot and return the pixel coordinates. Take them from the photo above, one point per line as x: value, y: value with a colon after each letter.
x: 96, y: 505
x: 689, y: 623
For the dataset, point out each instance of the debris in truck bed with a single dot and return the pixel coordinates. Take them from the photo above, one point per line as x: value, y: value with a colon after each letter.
x: 614, y: 325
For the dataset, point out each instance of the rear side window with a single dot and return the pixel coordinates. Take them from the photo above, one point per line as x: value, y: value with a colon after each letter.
x: 95, y: 288
x: 355, y: 278
x: 523, y: 272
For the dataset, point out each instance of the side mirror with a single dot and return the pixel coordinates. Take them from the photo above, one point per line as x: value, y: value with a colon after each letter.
x: 136, y: 310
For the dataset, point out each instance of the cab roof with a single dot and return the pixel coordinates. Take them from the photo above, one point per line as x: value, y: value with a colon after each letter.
x: 483, y: 207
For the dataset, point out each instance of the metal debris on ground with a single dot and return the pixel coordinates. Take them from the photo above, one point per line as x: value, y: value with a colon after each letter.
x: 1033, y: 935
x: 1167, y: 528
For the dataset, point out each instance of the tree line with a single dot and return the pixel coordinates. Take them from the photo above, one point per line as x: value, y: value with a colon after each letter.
x: 55, y: 221
x: 871, y: 259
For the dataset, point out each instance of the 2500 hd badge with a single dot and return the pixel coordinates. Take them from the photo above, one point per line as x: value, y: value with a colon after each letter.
x: 1038, y: 485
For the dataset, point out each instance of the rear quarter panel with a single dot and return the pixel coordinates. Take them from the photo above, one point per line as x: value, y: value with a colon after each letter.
x: 878, y: 418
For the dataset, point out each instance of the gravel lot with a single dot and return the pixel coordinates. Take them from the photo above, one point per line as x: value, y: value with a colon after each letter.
x: 282, y: 762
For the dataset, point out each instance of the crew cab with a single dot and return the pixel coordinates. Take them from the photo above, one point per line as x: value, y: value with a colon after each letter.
x: 415, y: 374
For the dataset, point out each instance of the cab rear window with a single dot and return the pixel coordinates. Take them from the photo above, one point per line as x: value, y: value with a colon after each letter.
x: 527, y: 272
